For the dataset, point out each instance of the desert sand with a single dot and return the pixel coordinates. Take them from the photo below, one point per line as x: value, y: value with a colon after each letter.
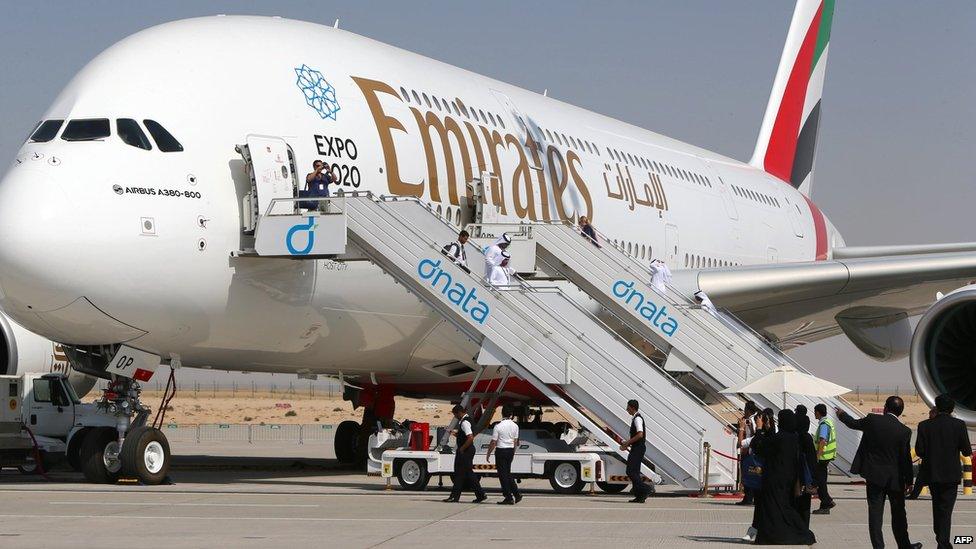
x: 219, y: 406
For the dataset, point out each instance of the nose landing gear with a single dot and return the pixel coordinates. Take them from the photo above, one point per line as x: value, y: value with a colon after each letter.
x: 130, y: 448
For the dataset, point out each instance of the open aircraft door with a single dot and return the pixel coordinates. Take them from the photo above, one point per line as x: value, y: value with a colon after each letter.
x: 271, y: 166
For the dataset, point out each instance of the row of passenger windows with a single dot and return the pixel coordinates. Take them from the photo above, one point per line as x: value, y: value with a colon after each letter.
x: 555, y: 137
x: 695, y: 261
x: 432, y: 101
x: 660, y: 167
x: 451, y: 215
x: 633, y: 249
x: 758, y: 197
x: 96, y: 129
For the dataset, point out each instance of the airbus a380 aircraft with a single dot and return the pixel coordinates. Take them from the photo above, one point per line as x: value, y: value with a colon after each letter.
x: 131, y: 184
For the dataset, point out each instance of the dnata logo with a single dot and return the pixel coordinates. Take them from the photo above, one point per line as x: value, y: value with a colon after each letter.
x: 457, y: 293
x: 319, y: 94
x: 308, y: 228
x: 658, y: 317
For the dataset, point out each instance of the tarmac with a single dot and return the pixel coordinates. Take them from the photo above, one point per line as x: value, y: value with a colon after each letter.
x: 220, y: 499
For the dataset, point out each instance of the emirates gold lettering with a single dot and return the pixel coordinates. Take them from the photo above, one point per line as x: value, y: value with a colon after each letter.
x: 456, y: 151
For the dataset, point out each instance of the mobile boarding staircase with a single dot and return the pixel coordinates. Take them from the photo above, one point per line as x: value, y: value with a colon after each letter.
x: 547, y: 337
x: 717, y: 349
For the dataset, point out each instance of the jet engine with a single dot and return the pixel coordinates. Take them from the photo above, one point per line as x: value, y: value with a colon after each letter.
x: 24, y: 352
x: 943, y: 353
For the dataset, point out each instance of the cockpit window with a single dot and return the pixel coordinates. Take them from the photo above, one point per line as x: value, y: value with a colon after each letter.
x: 87, y: 129
x: 164, y: 140
x: 46, y: 131
x: 131, y: 134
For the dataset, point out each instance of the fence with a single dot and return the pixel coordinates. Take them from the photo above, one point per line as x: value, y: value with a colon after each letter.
x: 879, y: 393
x: 249, y: 433
x: 328, y: 388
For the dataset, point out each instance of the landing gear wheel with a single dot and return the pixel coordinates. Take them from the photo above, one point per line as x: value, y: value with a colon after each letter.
x: 100, y: 456
x: 146, y: 455
x: 73, y: 454
x: 565, y: 478
x: 345, y: 441
x: 611, y: 488
x: 412, y: 474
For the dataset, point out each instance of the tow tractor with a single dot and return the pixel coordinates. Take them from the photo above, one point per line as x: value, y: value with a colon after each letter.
x: 569, y: 458
x: 43, y: 420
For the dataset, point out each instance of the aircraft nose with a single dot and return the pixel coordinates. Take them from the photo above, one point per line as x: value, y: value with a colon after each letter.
x: 37, y: 242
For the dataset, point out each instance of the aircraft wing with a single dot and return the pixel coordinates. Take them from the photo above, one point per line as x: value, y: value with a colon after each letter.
x: 796, y: 303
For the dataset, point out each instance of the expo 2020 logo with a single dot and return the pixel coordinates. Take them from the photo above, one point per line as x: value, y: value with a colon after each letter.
x: 319, y: 94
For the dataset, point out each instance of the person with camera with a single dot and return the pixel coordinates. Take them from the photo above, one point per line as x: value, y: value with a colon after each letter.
x: 317, y: 186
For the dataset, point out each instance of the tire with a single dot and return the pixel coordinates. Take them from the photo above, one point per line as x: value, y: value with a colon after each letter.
x: 73, y: 454
x: 146, y: 455
x: 30, y: 466
x: 345, y: 441
x: 94, y: 464
x: 564, y: 477
x: 412, y: 474
x: 611, y: 488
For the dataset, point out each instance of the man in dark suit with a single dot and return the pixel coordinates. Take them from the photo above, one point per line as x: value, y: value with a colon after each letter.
x: 884, y: 460
x: 940, y: 441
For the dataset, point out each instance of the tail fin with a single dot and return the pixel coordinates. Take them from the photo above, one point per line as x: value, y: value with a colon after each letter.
x: 788, y: 138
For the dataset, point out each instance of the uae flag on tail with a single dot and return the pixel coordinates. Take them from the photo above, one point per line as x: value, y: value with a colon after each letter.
x: 787, y: 142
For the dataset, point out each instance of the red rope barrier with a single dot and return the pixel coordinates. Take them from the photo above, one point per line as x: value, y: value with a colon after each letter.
x: 733, y: 458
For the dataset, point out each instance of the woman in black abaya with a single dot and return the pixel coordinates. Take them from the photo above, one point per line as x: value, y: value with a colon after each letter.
x: 778, y: 521
x: 809, y: 454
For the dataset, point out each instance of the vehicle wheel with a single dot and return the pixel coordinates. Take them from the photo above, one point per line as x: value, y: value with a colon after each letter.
x: 565, y: 478
x: 74, y: 448
x: 146, y: 455
x: 611, y: 488
x: 100, y: 456
x: 30, y: 465
x: 412, y: 474
x: 345, y: 441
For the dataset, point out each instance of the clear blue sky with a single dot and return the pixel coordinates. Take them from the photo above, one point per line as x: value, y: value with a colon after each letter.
x: 897, y: 130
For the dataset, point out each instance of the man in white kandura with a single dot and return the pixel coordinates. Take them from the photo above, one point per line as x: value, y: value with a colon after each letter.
x: 660, y: 276
x: 501, y: 274
x: 493, y: 253
x: 701, y: 298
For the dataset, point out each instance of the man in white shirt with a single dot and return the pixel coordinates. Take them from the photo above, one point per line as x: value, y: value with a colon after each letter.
x: 464, y: 474
x: 501, y: 274
x: 504, y: 441
x: 660, y: 276
x: 455, y: 251
x: 637, y: 446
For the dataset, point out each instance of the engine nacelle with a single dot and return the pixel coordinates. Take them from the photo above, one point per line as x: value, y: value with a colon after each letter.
x: 22, y: 351
x: 943, y: 355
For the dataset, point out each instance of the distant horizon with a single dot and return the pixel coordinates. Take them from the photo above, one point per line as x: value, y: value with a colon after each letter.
x: 896, y: 131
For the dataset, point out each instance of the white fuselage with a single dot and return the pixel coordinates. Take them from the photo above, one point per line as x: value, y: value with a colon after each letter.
x: 105, y: 242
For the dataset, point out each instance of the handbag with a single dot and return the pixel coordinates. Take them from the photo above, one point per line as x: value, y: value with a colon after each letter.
x: 804, y: 480
x: 752, y: 471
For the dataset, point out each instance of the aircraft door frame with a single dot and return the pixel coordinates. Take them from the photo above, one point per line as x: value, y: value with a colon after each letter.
x: 671, y: 245
x: 795, y: 215
x: 723, y: 190
x: 270, y: 162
